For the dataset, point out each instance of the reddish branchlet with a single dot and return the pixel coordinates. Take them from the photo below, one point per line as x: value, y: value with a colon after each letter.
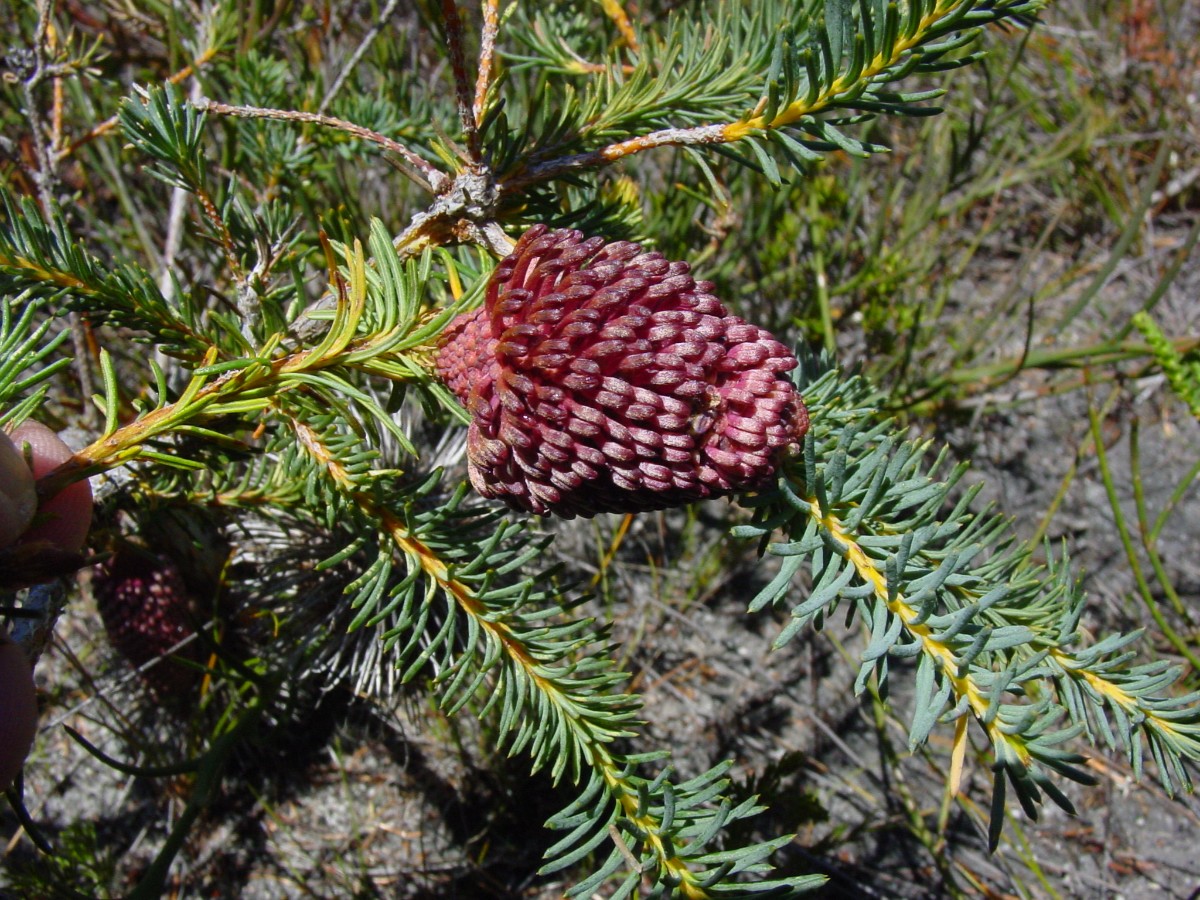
x: 601, y: 378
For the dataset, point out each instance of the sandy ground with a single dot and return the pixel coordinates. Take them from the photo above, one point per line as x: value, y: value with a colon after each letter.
x: 388, y: 798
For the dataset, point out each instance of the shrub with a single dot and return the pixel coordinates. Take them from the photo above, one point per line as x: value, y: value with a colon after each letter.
x: 256, y: 250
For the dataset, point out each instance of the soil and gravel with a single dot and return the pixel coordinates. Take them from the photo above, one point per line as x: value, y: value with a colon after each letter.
x: 367, y: 798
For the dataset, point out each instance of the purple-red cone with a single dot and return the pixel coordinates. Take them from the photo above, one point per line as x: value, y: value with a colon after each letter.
x: 146, y: 611
x: 601, y: 378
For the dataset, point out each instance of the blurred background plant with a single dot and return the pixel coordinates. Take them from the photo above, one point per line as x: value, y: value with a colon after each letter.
x: 247, y: 223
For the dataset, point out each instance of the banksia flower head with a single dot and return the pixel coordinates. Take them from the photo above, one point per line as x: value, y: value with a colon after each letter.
x: 601, y: 378
x: 144, y: 604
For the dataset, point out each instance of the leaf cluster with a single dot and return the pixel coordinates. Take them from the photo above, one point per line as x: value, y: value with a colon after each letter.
x: 994, y: 635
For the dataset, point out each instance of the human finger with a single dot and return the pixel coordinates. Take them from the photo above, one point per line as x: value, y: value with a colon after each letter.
x: 18, y: 499
x: 18, y: 709
x: 62, y: 520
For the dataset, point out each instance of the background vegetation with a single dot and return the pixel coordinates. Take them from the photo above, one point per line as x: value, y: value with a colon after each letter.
x: 1017, y: 276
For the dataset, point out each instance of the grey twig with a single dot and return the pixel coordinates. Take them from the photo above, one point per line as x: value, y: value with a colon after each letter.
x: 43, y: 604
x: 462, y: 86
x: 357, y: 55
x: 425, y: 175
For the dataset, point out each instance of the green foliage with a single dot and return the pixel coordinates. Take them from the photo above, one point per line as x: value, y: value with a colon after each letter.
x: 41, y: 259
x: 158, y: 125
x: 80, y: 866
x: 952, y: 588
x: 27, y: 347
x: 291, y: 395
x: 1182, y: 371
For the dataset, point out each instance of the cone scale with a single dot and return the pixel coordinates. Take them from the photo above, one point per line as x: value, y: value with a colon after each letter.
x: 144, y: 604
x: 601, y: 378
